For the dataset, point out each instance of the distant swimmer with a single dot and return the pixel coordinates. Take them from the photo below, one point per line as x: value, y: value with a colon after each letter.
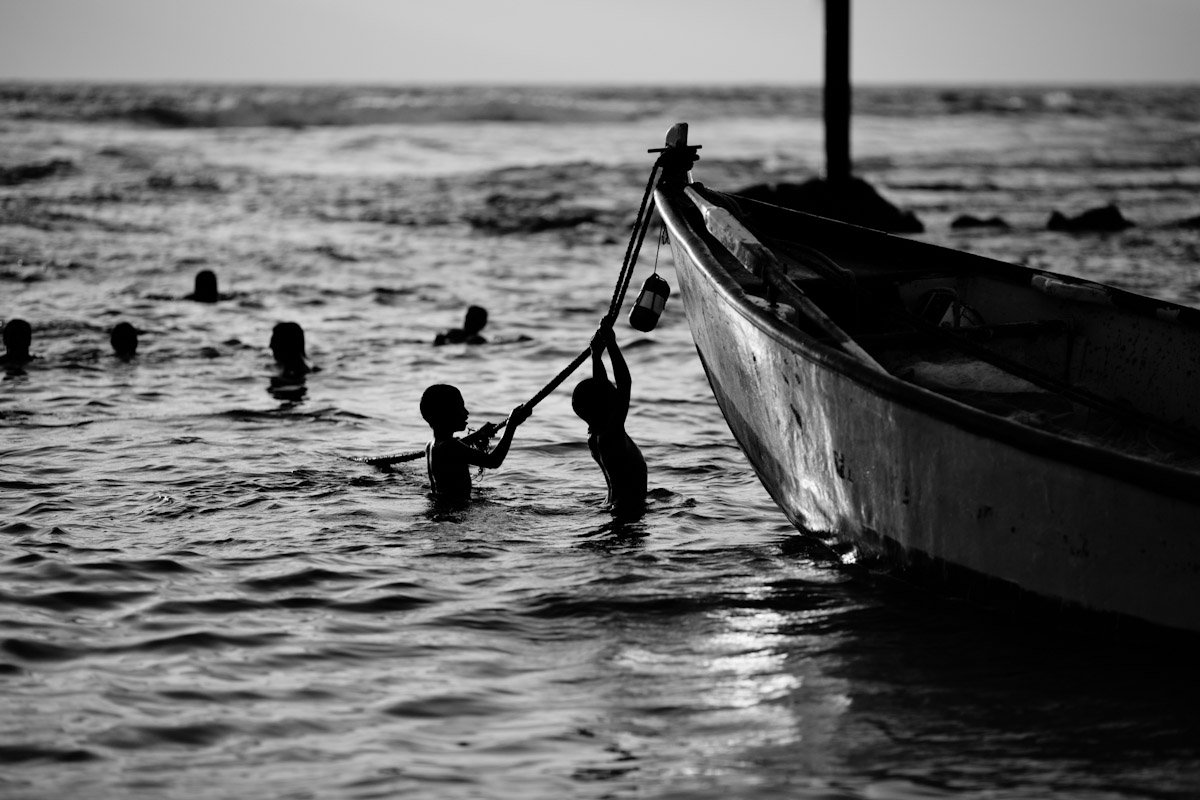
x: 206, y: 288
x: 604, y: 407
x: 124, y: 340
x: 477, y: 317
x: 287, y: 346
x: 447, y: 458
x: 18, y: 336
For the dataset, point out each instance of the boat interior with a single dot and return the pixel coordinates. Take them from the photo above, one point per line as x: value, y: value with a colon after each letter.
x: 1059, y: 354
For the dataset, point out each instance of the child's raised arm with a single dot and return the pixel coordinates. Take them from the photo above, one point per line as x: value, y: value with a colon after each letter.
x: 599, y: 340
x: 620, y: 369
x: 624, y: 382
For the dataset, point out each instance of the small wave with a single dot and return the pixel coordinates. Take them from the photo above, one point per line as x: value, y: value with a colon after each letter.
x: 32, y: 650
x: 216, y: 605
x: 556, y: 606
x: 391, y: 602
x: 334, y: 415
x: 191, y: 735
x: 300, y: 602
x: 300, y: 579
x: 145, y: 566
x: 442, y: 707
x: 198, y: 640
x: 16, y: 754
x: 74, y: 600
x: 219, y: 697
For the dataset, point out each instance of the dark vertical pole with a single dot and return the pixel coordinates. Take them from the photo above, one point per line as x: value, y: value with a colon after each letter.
x: 837, y: 93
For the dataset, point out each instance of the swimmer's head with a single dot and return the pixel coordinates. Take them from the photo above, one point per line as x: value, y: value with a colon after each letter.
x: 287, y: 343
x: 18, y: 335
x: 124, y: 339
x: 206, y: 287
x: 592, y: 399
x: 442, y: 407
x: 477, y: 317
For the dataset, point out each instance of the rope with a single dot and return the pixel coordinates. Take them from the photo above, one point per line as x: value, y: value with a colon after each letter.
x: 635, y: 243
x: 640, y: 224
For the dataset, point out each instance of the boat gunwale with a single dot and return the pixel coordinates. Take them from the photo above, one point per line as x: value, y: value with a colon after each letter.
x: 1154, y: 476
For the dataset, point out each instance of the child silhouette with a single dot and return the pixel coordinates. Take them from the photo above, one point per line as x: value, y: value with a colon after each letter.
x: 449, y: 459
x: 205, y: 289
x: 604, y: 407
x: 473, y: 323
x: 124, y: 340
x: 287, y: 346
x: 18, y: 336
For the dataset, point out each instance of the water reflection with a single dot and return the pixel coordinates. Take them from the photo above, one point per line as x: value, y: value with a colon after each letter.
x: 709, y: 694
x: 287, y: 389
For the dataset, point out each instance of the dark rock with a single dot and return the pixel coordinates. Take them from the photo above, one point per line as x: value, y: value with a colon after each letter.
x: 857, y: 203
x: 968, y: 221
x: 1105, y: 218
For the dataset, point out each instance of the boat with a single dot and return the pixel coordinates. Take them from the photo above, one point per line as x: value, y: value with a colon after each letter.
x: 972, y: 422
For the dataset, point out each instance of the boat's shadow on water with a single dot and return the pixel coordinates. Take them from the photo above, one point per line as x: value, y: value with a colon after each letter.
x: 962, y: 697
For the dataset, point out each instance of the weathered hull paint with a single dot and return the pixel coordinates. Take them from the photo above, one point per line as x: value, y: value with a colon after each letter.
x: 885, y: 471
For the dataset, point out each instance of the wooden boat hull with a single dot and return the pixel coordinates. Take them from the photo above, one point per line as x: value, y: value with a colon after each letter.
x: 908, y: 475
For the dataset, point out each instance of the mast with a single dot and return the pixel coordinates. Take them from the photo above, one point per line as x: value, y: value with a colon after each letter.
x: 837, y: 93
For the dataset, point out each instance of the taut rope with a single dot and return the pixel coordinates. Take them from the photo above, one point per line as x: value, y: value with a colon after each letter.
x: 640, y: 224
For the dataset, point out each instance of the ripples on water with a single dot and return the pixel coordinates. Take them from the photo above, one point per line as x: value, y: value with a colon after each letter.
x: 201, y: 597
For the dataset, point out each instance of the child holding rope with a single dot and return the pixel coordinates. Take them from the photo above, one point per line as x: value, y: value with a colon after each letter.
x: 604, y: 407
x: 449, y: 459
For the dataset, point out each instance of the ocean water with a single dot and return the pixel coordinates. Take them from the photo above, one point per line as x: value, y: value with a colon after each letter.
x: 203, y: 596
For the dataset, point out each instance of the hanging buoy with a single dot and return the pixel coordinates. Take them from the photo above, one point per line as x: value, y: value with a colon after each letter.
x: 650, y: 303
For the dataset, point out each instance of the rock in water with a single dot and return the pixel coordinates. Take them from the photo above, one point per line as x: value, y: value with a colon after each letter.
x: 857, y: 203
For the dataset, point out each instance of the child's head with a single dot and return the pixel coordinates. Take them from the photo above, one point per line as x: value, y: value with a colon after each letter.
x: 592, y: 399
x: 287, y: 343
x: 18, y: 334
x: 442, y: 407
x: 477, y: 317
x: 124, y: 339
x: 206, y: 286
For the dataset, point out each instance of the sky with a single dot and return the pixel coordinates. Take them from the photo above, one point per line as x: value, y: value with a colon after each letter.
x: 597, y: 41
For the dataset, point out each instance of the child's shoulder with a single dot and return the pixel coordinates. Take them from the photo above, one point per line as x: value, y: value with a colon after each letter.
x: 446, y: 446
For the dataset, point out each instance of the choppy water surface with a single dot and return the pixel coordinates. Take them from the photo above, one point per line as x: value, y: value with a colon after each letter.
x: 200, y: 596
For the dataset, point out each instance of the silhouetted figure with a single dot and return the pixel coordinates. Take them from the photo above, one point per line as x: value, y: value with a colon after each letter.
x: 18, y: 336
x: 604, y: 407
x: 287, y: 345
x: 124, y: 339
x: 206, y: 288
x: 448, y: 459
x: 477, y: 317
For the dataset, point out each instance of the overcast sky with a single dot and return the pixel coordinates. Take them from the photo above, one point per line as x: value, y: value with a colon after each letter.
x: 596, y: 41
